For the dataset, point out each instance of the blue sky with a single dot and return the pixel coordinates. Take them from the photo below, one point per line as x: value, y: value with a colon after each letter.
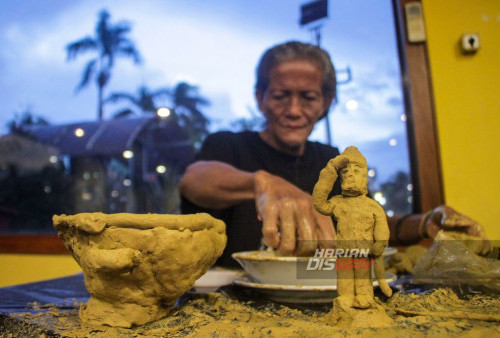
x: 214, y: 44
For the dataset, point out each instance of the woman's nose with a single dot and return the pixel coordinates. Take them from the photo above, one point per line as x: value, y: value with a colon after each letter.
x: 295, y: 106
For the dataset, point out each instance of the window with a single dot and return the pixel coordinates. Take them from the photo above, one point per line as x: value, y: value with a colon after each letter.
x: 192, y: 56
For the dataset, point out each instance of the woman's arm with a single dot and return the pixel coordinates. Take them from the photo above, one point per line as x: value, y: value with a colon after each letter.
x: 216, y: 185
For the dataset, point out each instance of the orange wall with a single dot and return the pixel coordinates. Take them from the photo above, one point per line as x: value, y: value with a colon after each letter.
x: 467, y: 99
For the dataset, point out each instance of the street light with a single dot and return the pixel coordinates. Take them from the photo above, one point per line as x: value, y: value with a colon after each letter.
x: 163, y: 112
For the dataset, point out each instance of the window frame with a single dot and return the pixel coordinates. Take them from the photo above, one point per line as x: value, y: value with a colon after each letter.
x: 421, y: 117
x: 421, y: 130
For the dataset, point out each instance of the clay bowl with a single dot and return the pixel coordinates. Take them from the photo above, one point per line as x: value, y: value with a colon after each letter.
x: 136, y: 266
x: 268, y: 267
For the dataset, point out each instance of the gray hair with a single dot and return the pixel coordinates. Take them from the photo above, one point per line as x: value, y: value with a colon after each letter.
x: 292, y: 51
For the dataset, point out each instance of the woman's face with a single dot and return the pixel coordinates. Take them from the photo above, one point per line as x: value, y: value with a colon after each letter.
x: 292, y: 104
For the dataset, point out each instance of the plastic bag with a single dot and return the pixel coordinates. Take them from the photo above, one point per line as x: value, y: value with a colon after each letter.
x: 451, y: 261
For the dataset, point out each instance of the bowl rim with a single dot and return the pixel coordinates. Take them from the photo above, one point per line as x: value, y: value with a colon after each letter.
x: 257, y: 255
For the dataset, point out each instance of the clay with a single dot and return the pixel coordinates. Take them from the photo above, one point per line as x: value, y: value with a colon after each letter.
x: 451, y: 261
x: 403, y: 262
x: 136, y: 266
x: 216, y: 315
x: 360, y: 223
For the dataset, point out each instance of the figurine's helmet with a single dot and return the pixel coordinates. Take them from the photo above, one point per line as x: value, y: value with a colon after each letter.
x: 354, y: 178
x: 355, y: 156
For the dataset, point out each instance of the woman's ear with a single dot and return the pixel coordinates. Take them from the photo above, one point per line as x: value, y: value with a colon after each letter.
x: 328, y: 104
x: 259, y: 96
x: 329, y: 101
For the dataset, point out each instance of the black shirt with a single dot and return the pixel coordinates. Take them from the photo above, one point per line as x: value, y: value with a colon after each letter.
x: 247, y: 151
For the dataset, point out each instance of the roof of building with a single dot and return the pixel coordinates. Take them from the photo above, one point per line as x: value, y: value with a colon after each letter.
x: 112, y: 137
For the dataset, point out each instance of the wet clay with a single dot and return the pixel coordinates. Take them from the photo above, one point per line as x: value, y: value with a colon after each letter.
x: 136, y: 266
x: 360, y: 224
x: 451, y: 261
x: 215, y: 315
x: 403, y: 262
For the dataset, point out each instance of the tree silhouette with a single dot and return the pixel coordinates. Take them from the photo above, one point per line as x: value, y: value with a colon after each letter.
x: 24, y: 119
x: 186, y: 101
x: 145, y: 100
x: 109, y: 42
x: 255, y: 122
x: 397, y: 193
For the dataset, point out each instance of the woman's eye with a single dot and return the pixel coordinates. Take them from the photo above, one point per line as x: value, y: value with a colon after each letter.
x: 310, y: 96
x: 279, y: 96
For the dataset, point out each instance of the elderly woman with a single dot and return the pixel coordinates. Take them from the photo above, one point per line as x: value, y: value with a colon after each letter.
x: 260, y: 183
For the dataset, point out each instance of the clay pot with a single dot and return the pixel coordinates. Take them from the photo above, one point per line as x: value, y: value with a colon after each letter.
x: 136, y: 266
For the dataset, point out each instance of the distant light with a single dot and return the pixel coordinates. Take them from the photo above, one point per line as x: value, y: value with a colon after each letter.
x: 47, y: 189
x: 403, y: 117
x: 163, y: 112
x: 161, y: 169
x: 86, y: 196
x: 390, y: 213
x: 127, y: 182
x: 79, y: 132
x: 409, y: 187
x: 114, y: 194
x: 128, y: 154
x: 352, y: 104
x: 379, y: 197
x: 410, y: 199
x: 393, y: 142
x: 53, y: 159
x: 372, y: 173
x: 86, y: 176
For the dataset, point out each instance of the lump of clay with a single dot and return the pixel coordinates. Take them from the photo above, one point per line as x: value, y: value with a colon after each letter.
x: 136, y: 266
x: 403, y: 262
x: 451, y: 261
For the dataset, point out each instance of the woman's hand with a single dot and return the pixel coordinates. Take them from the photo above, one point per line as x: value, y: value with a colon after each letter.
x: 291, y: 224
x: 448, y: 219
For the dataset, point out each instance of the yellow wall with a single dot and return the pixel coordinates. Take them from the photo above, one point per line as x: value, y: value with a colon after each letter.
x: 20, y: 269
x: 467, y: 99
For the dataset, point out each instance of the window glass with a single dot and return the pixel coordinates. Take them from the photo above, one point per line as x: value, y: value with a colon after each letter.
x: 195, y: 58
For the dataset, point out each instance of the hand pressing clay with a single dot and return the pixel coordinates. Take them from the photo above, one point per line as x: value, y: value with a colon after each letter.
x: 136, y: 266
x: 360, y: 223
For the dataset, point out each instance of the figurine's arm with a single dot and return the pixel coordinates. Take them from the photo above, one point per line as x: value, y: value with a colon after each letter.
x: 324, y: 186
x: 380, y: 231
x: 381, y: 236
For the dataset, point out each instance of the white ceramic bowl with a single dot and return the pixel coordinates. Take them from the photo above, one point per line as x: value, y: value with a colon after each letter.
x: 270, y: 268
x: 214, y: 279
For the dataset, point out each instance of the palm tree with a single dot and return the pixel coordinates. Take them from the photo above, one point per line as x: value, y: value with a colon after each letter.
x: 186, y: 101
x: 109, y: 42
x: 144, y: 100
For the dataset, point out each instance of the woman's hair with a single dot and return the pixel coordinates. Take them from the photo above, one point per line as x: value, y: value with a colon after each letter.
x: 292, y: 51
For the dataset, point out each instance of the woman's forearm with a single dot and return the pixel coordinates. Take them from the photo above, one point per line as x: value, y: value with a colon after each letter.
x: 216, y: 185
x: 405, y: 229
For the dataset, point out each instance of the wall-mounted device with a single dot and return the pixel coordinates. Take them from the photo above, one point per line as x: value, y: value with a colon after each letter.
x: 415, y: 26
x: 470, y: 43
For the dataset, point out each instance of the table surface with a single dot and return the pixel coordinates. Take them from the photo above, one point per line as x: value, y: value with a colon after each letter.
x: 66, y: 294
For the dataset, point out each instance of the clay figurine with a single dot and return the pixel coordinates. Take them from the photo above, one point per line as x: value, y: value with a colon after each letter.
x: 360, y: 223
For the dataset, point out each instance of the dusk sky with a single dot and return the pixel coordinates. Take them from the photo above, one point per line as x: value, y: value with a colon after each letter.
x: 214, y: 44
